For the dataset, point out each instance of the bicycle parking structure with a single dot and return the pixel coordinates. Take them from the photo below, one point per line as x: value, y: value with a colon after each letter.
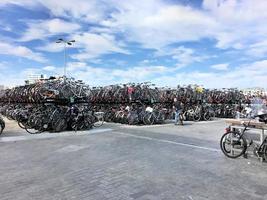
x: 61, y: 104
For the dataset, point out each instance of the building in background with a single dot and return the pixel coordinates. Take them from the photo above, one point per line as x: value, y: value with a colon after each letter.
x: 255, y: 91
x: 34, y: 78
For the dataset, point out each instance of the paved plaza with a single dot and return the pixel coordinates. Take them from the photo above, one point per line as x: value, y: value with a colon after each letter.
x: 127, y: 162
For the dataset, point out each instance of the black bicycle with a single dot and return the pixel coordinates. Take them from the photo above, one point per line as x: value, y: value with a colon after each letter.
x: 234, y: 143
x: 2, y: 125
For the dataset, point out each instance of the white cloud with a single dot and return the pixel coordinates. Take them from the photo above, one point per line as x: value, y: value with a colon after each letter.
x: 94, y: 45
x: 90, y: 11
x: 222, y: 67
x: 52, y: 47
x: 104, y: 76
x: 140, y: 73
x: 76, y: 66
x: 17, y: 2
x: 241, y: 22
x: 13, y: 78
x: 156, y: 24
x: 49, y: 68
x: 115, y: 62
x: 42, y: 29
x: 183, y: 56
x: 20, y: 51
x: 258, y: 49
x: 249, y: 75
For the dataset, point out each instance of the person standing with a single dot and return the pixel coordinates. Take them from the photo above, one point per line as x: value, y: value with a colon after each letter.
x: 177, y: 106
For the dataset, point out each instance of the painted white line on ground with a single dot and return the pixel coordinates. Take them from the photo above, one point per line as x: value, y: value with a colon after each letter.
x: 52, y: 135
x: 145, y: 126
x: 168, y: 124
x: 163, y: 125
x: 207, y: 122
x: 168, y: 141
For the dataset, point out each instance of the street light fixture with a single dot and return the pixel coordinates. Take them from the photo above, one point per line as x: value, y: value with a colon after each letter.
x: 65, y: 42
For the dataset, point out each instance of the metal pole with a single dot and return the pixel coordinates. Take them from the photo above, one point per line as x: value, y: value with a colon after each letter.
x: 64, y: 60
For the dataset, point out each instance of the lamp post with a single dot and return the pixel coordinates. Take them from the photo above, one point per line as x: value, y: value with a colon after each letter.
x: 65, y: 42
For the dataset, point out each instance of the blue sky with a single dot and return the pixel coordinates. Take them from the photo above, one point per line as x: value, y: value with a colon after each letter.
x: 214, y: 43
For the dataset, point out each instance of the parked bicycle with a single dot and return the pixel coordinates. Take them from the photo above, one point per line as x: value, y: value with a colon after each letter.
x: 234, y: 143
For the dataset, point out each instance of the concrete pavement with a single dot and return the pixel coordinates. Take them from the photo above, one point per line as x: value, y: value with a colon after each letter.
x: 122, y: 162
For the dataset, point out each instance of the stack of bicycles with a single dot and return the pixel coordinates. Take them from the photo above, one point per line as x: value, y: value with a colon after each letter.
x: 127, y: 103
x: 148, y: 93
x: 50, y: 105
x: 136, y: 114
x: 124, y: 93
x: 57, y: 104
x: 60, y: 89
x: 52, y: 117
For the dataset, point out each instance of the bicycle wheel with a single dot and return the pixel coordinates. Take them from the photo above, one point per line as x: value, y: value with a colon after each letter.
x: 1, y: 128
x: 197, y: 117
x: 212, y: 115
x: 59, y: 124
x: 233, y: 140
x: 132, y: 119
x: 206, y: 116
x: 33, y: 131
x: 99, y: 121
x: 34, y: 125
x: 2, y: 125
x: 88, y: 124
x: 22, y: 125
x: 264, y: 151
x: 148, y: 119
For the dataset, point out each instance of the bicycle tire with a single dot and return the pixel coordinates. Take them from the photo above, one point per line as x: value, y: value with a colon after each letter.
x: 264, y: 151
x: 98, y: 123
x: 1, y: 129
x: 148, y: 119
x: 240, y: 140
x: 207, y: 116
x: 33, y: 128
x: 21, y: 125
x: 212, y: 115
x: 133, y: 119
x: 87, y: 123
x: 2, y: 125
x: 197, y: 117
x: 59, y: 125
x: 33, y: 131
